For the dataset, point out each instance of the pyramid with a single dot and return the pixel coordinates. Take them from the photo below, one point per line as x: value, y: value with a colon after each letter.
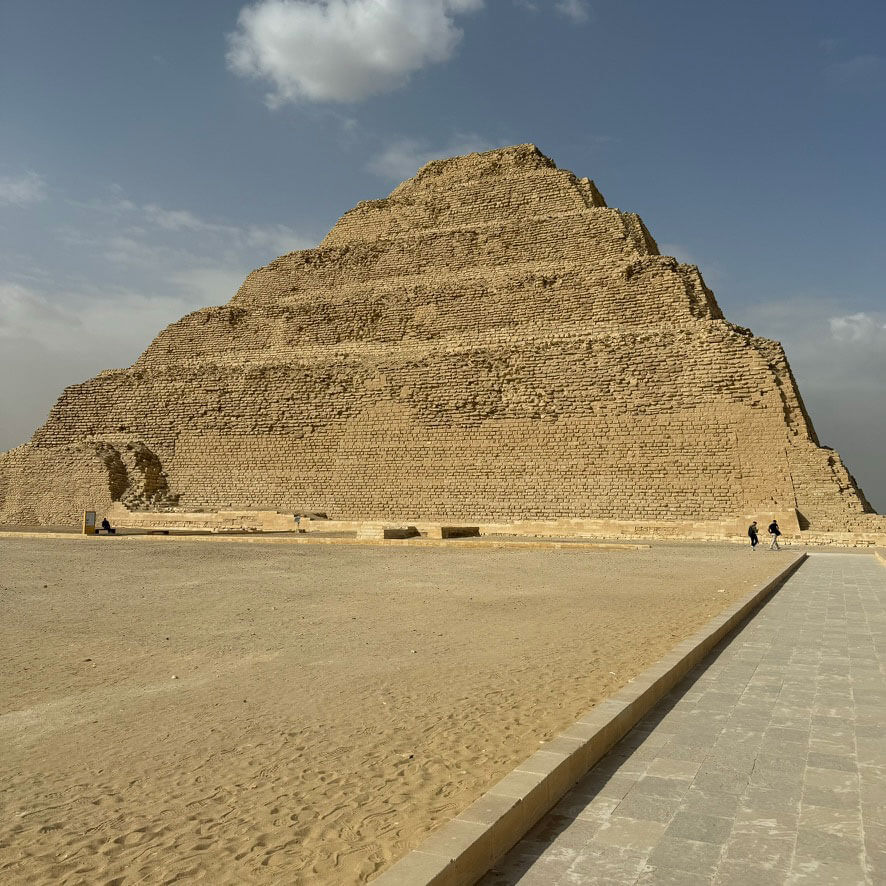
x: 490, y: 343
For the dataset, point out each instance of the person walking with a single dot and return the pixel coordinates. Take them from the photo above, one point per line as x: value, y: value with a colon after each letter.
x: 752, y: 535
x: 774, y: 531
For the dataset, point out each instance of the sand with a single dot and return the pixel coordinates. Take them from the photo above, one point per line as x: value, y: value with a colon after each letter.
x: 180, y: 710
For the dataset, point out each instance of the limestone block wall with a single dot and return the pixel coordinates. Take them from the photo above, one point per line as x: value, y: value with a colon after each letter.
x: 366, y: 469
x: 55, y: 485
x: 490, y: 343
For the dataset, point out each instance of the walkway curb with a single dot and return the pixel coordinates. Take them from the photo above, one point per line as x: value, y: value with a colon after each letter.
x: 461, y: 851
x: 362, y: 542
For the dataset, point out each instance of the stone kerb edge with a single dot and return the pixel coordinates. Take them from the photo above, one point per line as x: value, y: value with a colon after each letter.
x: 259, y: 538
x: 461, y: 851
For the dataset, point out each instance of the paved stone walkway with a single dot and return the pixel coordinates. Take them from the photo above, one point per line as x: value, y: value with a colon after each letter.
x: 767, y: 766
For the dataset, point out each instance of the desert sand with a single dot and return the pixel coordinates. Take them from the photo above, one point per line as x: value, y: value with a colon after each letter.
x: 185, y: 710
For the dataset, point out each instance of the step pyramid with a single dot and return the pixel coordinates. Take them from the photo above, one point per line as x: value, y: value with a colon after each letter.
x: 491, y: 342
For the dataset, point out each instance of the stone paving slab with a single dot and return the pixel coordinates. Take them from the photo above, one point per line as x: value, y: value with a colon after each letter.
x: 767, y: 765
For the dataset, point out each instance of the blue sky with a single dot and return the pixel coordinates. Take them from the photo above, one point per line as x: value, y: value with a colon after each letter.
x: 152, y: 153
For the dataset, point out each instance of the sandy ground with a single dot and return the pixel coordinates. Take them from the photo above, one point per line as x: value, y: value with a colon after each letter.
x: 180, y: 710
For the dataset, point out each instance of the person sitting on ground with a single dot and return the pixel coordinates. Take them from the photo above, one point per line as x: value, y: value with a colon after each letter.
x: 107, y: 527
x: 752, y: 535
x: 774, y: 531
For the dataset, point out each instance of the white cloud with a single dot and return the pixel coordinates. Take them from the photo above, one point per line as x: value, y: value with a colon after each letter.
x: 402, y: 158
x: 859, y: 328
x: 277, y: 239
x: 84, y: 321
x: 177, y: 219
x: 23, y: 311
x: 831, y: 350
x: 342, y: 50
x: 577, y: 10
x: 22, y: 190
x: 132, y: 250
x: 134, y: 240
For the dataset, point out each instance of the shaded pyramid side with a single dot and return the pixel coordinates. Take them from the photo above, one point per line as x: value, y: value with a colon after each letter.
x: 491, y: 342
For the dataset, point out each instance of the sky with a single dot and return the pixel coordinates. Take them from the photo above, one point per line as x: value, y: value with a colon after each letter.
x: 153, y: 153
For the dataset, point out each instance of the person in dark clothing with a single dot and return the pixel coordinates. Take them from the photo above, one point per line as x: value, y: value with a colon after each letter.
x: 774, y: 531
x: 106, y: 526
x: 752, y: 535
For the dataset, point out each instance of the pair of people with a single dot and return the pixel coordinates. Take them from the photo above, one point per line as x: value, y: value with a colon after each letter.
x: 773, y: 530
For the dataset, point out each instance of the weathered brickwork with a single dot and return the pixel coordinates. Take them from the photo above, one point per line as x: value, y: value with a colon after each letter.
x: 489, y: 343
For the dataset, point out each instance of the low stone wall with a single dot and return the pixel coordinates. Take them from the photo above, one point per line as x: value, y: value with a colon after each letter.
x: 846, y: 539
x: 210, y: 521
x: 734, y: 529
